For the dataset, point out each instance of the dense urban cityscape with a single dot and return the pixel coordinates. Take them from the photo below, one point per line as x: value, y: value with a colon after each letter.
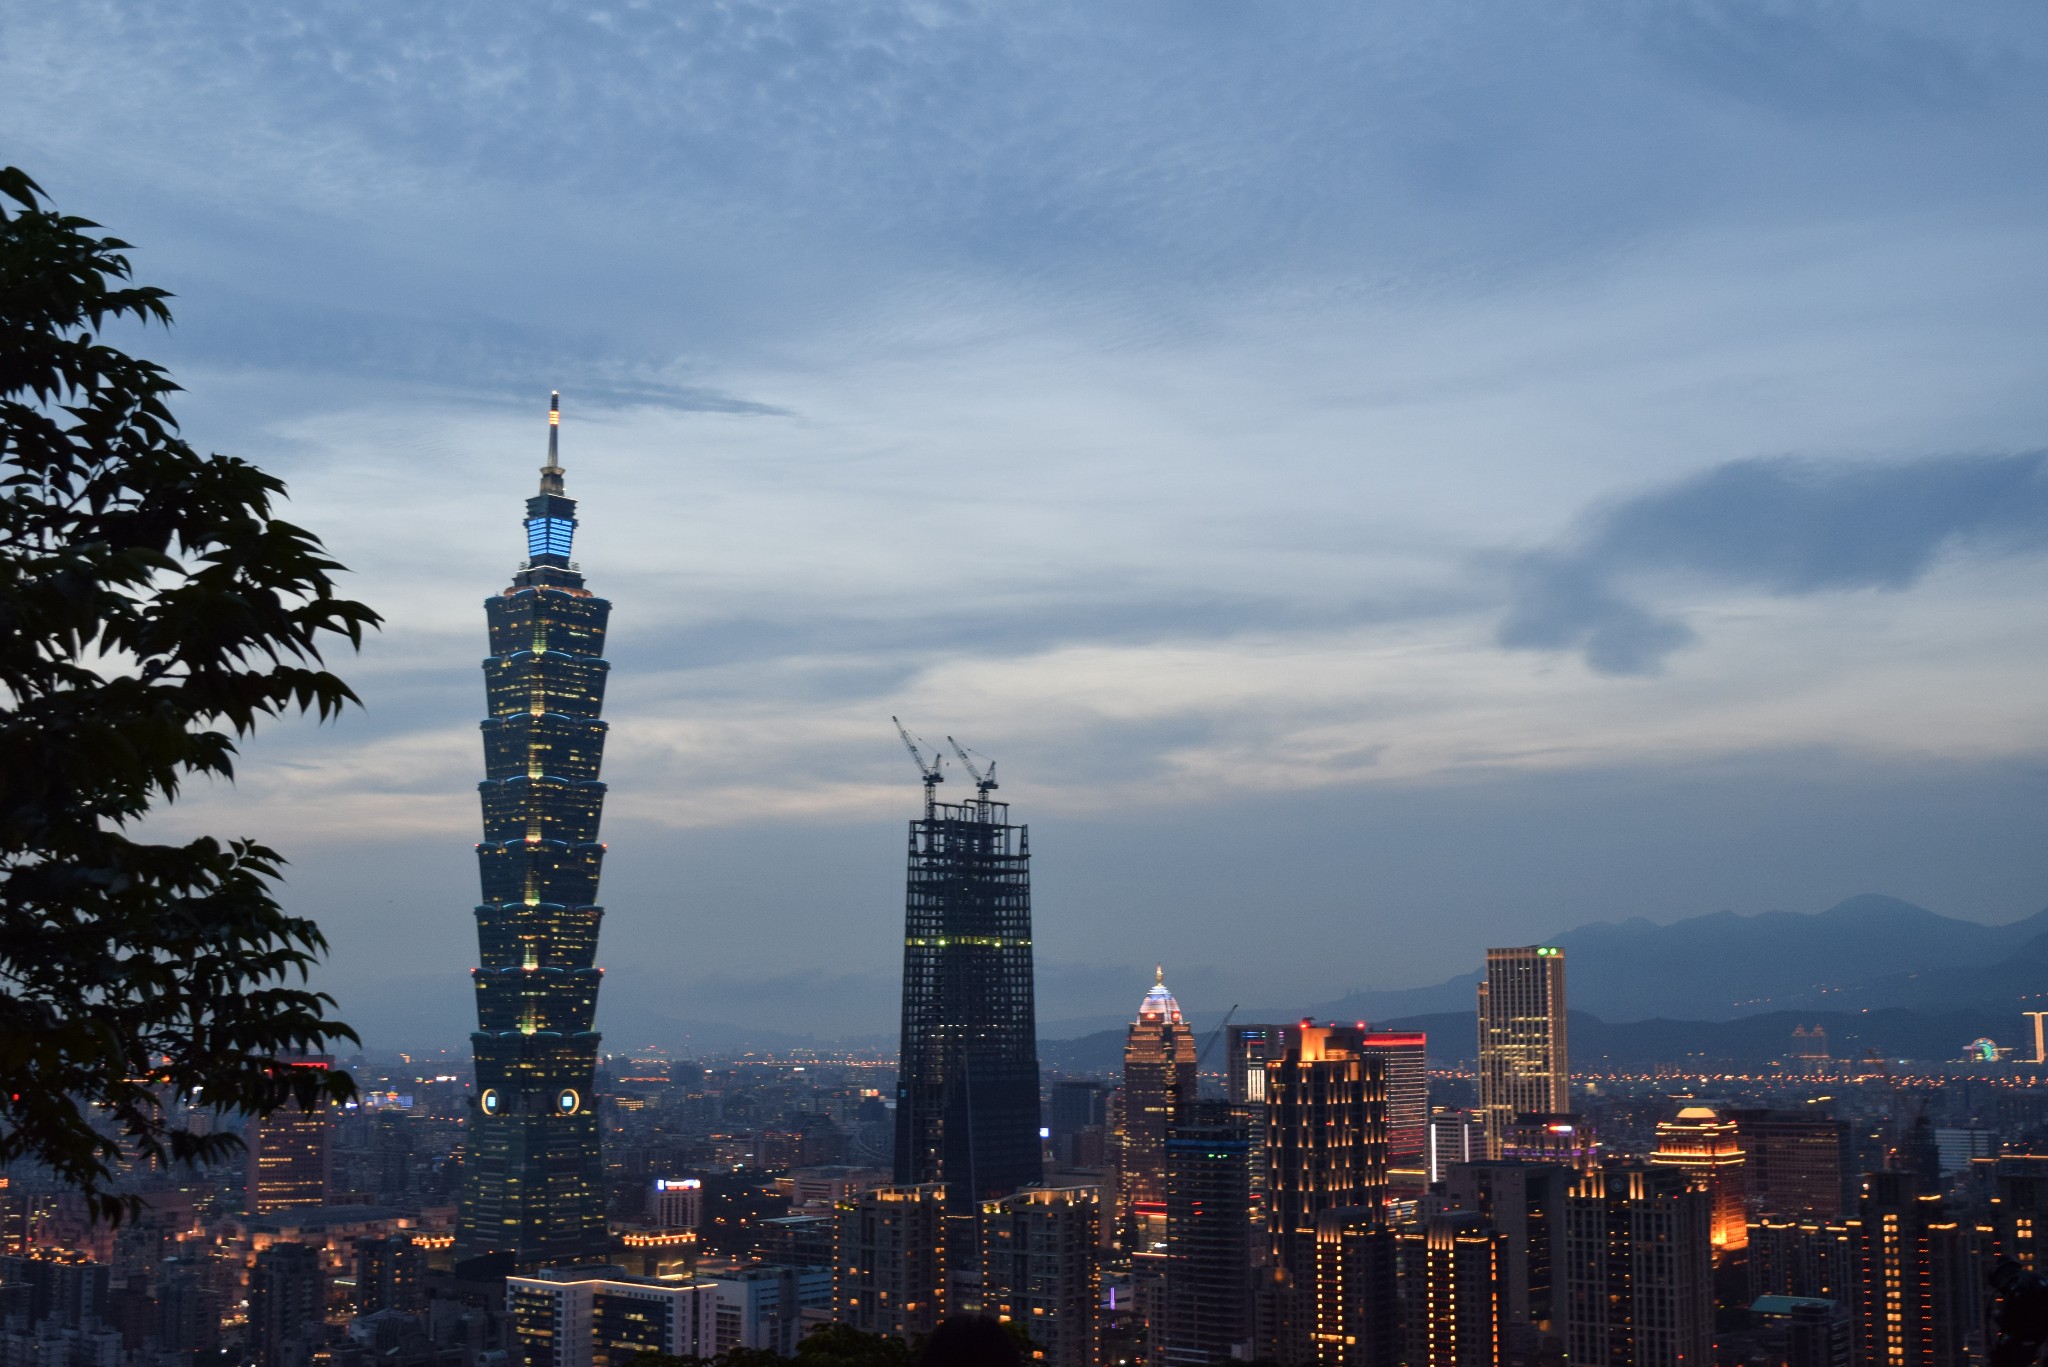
x: 1288, y: 1191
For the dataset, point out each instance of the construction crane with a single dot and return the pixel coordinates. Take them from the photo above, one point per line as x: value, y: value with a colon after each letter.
x: 984, y: 780
x: 931, y: 773
x: 1216, y: 1036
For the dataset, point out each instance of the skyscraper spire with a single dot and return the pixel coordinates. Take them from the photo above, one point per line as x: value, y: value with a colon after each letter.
x: 551, y: 473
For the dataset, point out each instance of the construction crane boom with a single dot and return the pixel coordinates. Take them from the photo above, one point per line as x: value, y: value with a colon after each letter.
x: 1217, y: 1034
x: 984, y: 779
x: 933, y: 773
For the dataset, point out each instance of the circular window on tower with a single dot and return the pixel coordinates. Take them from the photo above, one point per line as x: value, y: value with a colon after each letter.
x: 490, y: 1100
x: 569, y: 1101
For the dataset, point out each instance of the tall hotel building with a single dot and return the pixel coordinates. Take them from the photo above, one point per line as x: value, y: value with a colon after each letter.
x: 1159, y: 1081
x: 967, y: 1090
x: 1523, y: 1069
x: 533, y: 1188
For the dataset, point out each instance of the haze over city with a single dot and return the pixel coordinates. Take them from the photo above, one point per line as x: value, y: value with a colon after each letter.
x: 1381, y: 482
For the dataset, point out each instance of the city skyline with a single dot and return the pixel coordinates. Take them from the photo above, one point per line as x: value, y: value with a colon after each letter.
x: 1320, y: 470
x: 1507, y: 545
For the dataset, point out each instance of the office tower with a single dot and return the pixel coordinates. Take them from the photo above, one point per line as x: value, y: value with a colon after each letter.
x: 1522, y: 1060
x: 1637, y: 1270
x: 1206, y: 1317
x: 287, y: 1304
x: 1525, y: 1202
x: 1354, y: 1316
x: 1914, y: 1298
x: 1159, y: 1078
x: 1406, y: 1053
x: 1801, y: 1259
x: 889, y: 1271
x: 967, y: 1090
x: 1463, y: 1308
x: 1793, y: 1163
x: 289, y: 1155
x: 1455, y: 1136
x: 678, y: 1202
x: 1326, y: 1149
x: 533, y: 1189
x: 388, y: 1274
x: 1038, y: 1252
x: 560, y: 1320
x: 1705, y: 1147
x: 1803, y: 1332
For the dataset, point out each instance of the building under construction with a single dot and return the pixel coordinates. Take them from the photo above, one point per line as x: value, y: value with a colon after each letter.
x: 967, y: 1091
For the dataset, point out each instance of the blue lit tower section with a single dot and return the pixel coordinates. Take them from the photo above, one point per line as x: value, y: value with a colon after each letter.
x: 533, y: 1183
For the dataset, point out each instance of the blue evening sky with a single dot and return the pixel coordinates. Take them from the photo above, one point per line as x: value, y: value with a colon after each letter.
x: 1383, y: 479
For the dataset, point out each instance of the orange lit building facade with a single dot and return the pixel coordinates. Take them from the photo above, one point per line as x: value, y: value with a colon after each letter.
x: 1708, y: 1148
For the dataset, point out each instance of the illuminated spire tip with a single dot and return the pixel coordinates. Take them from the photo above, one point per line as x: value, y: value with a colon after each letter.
x: 551, y: 473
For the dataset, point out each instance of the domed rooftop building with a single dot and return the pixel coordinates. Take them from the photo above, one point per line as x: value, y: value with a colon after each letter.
x: 1159, y: 1078
x: 1159, y: 1004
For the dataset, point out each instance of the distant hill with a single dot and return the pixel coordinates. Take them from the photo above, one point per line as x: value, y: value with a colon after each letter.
x: 1869, y: 951
x: 1876, y: 972
x: 1598, y: 1045
x: 1751, y: 1041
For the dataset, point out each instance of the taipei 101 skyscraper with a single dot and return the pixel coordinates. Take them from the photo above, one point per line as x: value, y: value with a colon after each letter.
x: 533, y: 1191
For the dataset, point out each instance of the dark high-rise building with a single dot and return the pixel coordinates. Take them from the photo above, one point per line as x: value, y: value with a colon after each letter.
x: 2019, y: 1209
x: 1525, y: 1202
x: 1914, y: 1299
x: 1523, y: 1064
x: 1802, y: 1259
x: 1353, y: 1312
x: 889, y: 1260
x: 532, y: 1179
x: 1461, y: 1300
x: 1803, y: 1332
x: 388, y: 1274
x: 1794, y: 1163
x: 1207, y: 1313
x: 1077, y: 1109
x: 1637, y: 1270
x: 967, y: 1090
x: 287, y: 1303
x: 1159, y: 1079
x: 1039, y: 1271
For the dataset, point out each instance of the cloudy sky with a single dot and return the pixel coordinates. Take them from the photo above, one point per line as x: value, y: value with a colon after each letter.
x: 1382, y: 479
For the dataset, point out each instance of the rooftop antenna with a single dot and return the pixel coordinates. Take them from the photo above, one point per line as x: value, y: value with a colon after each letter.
x: 551, y: 473
x: 984, y: 779
x: 931, y: 772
